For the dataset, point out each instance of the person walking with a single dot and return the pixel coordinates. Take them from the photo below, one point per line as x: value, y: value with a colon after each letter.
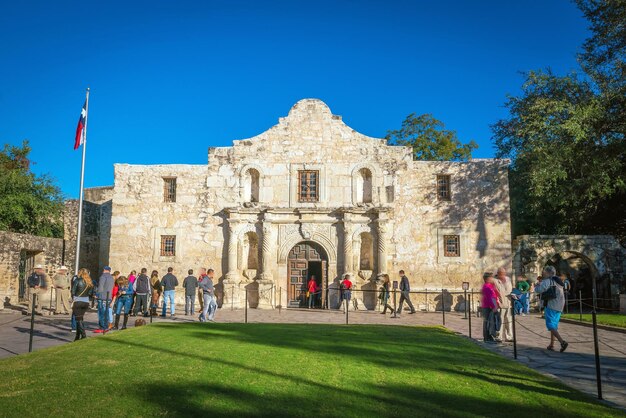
x: 384, y: 294
x: 190, y: 283
x: 103, y: 295
x: 142, y: 290
x: 208, y: 290
x: 405, y: 293
x: 504, y: 288
x: 489, y: 307
x: 82, y: 288
x: 123, y: 301
x: 155, y: 285
x: 169, y: 283
x: 551, y: 289
x: 200, y: 292
x: 61, y: 283
x: 37, y: 286
x: 312, y: 289
x: 132, y: 277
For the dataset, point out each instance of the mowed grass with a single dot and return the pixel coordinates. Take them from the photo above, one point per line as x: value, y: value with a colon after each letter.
x: 194, y: 369
x: 615, y: 320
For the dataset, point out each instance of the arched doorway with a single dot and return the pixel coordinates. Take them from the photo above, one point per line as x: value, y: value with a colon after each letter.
x: 582, y: 274
x: 304, y: 260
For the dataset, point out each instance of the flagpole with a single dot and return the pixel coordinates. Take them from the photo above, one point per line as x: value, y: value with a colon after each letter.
x: 82, y: 179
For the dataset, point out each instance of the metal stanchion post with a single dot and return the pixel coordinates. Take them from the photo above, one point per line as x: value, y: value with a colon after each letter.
x: 469, y: 317
x: 32, y: 323
x: 466, y: 304
x: 106, y: 314
x: 580, y: 305
x: 566, y: 302
x: 595, y: 346
x: 443, y: 308
x: 514, y: 334
x: 280, y: 299
x: 347, y: 303
x: 50, y: 308
x: 232, y: 299
x: 395, y: 308
x: 426, y: 296
x: 246, y: 308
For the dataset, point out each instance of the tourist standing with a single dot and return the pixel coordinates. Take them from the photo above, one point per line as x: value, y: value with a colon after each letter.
x: 61, y: 283
x: 405, y: 293
x: 132, y: 276
x: 142, y: 290
x: 524, y: 287
x: 346, y: 291
x: 124, y: 301
x: 552, y: 286
x: 208, y: 293
x: 103, y: 295
x: 36, y: 287
x: 312, y: 289
x: 504, y: 288
x: 73, y: 321
x: 82, y: 288
x: 200, y: 292
x: 190, y: 283
x: 155, y: 285
x: 385, y: 293
x: 489, y: 306
x: 169, y: 283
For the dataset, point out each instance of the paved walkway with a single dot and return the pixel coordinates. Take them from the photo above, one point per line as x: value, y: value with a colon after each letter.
x: 575, y: 367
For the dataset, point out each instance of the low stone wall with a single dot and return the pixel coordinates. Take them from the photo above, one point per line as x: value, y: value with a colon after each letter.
x: 28, y: 250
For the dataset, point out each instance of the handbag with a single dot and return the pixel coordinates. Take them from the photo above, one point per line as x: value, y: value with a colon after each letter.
x: 550, y: 293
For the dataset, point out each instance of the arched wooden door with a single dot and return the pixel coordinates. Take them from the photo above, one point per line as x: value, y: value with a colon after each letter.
x: 305, y: 259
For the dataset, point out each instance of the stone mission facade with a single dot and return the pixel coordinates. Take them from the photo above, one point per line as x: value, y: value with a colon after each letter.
x: 312, y: 196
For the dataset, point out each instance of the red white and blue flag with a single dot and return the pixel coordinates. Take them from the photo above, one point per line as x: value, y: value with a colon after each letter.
x: 80, y: 129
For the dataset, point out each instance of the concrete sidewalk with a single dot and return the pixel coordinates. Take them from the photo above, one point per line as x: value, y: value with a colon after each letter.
x: 575, y: 367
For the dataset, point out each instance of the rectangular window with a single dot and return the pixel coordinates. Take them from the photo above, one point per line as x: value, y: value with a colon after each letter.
x: 443, y: 187
x: 169, y: 189
x: 168, y: 245
x: 308, y: 185
x: 451, y: 247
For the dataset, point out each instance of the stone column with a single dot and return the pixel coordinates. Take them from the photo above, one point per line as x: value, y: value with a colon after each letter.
x: 347, y: 248
x: 266, y: 252
x: 381, y: 246
x: 232, y: 273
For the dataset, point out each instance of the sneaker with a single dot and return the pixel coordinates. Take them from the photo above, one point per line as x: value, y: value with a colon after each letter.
x: 73, y: 330
x: 564, y: 346
x: 412, y: 312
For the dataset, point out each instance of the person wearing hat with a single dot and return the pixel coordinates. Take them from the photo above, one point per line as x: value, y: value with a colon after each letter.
x: 61, y: 282
x: 37, y: 286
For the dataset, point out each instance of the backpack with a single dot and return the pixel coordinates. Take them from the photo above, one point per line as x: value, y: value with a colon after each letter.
x: 550, y: 293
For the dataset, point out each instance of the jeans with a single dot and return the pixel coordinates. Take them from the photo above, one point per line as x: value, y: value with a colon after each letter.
x: 73, y: 321
x: 141, y: 303
x: 104, y: 312
x: 210, y: 306
x: 489, y: 324
x: 169, y: 295
x: 125, y: 303
x: 312, y: 298
x: 189, y: 302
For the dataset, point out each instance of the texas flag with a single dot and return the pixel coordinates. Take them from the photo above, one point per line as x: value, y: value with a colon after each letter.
x: 80, y: 129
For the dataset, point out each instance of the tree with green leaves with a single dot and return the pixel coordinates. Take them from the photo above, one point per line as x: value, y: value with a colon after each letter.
x: 565, y: 136
x: 29, y: 204
x: 430, y: 140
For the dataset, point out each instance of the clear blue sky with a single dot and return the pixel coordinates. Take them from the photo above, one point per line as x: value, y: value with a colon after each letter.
x: 171, y: 78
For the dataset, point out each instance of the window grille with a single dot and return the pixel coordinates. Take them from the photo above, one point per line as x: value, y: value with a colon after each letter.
x: 169, y: 189
x: 308, y: 183
x: 451, y: 247
x: 168, y: 245
x: 443, y: 187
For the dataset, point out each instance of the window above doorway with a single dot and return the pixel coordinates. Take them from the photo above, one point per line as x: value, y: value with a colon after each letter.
x: 308, y: 185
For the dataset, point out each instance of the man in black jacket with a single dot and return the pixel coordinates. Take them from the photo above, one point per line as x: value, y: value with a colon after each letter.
x: 169, y: 283
x: 405, y: 289
x: 142, y: 289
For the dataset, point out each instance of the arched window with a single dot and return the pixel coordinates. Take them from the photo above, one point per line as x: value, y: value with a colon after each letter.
x: 364, y: 186
x: 251, y: 182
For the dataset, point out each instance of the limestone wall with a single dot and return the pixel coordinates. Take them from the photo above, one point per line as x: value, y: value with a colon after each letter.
x: 369, y: 193
x: 29, y: 251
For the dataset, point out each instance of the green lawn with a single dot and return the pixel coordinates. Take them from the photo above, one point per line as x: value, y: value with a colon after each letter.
x: 615, y: 320
x: 192, y: 369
